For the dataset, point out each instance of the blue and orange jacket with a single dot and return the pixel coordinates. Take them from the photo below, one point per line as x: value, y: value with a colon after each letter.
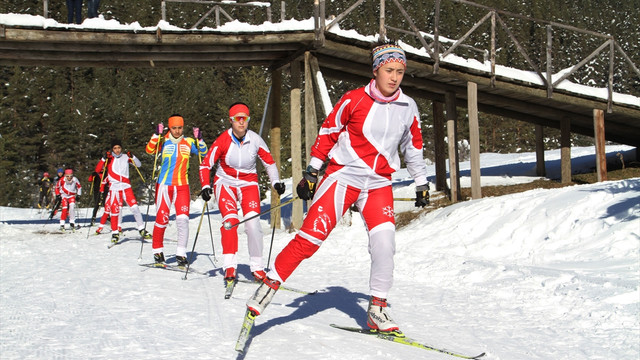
x: 175, y: 153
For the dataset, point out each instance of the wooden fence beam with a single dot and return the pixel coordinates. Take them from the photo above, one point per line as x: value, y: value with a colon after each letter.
x: 296, y: 139
x: 275, y: 104
x: 474, y: 139
x: 601, y: 155
x: 565, y: 151
x: 450, y: 102
x: 440, y: 150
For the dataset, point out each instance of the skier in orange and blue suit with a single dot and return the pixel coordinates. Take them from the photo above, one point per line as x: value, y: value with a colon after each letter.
x: 172, y: 186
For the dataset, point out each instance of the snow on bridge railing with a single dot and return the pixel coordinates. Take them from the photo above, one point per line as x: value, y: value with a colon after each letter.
x: 438, y: 48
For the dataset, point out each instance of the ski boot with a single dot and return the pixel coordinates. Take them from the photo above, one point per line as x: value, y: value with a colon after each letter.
x: 263, y: 295
x: 377, y: 317
x: 259, y: 275
x: 145, y: 235
x: 158, y: 258
x: 182, y: 261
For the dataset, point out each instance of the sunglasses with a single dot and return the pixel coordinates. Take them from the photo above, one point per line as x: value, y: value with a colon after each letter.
x: 68, y: 176
x: 242, y: 118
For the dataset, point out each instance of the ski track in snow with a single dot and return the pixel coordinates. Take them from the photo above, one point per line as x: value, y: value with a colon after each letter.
x: 544, y: 274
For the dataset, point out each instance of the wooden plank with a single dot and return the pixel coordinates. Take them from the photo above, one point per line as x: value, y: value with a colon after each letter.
x: 540, y: 165
x: 474, y: 140
x: 601, y: 155
x: 275, y: 104
x: 440, y: 147
x: 174, y: 57
x: 310, y: 118
x: 452, y: 138
x: 296, y: 140
x: 150, y: 37
x: 565, y: 151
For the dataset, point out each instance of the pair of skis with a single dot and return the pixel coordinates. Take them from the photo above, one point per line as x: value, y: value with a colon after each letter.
x: 396, y: 336
x: 231, y: 284
x: 170, y: 267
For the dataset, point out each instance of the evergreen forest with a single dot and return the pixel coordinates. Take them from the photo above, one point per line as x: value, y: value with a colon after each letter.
x: 58, y: 117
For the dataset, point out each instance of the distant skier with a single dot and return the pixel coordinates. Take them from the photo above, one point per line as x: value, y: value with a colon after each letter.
x: 100, y: 181
x: 44, y: 186
x: 56, y: 199
x: 68, y: 190
x: 120, y: 191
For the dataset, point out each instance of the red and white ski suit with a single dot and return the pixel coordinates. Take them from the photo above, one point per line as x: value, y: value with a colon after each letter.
x: 236, y: 179
x: 68, y: 191
x: 360, y: 138
x: 120, y: 189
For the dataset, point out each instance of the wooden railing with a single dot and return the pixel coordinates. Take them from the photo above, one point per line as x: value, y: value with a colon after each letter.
x: 438, y: 49
x: 217, y: 8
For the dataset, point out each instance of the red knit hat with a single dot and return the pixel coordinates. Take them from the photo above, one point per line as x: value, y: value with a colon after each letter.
x: 68, y: 172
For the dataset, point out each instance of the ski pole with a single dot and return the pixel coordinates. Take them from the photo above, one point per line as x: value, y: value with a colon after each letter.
x: 139, y: 173
x: 227, y: 225
x: 215, y: 260
x: 153, y: 177
x: 273, y: 232
x: 195, y: 240
x: 213, y: 248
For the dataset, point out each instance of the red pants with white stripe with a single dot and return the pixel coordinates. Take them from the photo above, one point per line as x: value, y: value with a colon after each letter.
x: 249, y: 198
x: 180, y: 197
x: 330, y: 202
x: 116, y: 199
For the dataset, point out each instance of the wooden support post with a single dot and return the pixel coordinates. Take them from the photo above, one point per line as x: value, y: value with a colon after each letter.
x: 296, y: 140
x: 450, y: 102
x: 275, y: 103
x: 540, y: 166
x: 382, y: 29
x: 440, y: 150
x: 310, y: 119
x: 565, y: 151
x: 474, y: 139
x: 601, y: 155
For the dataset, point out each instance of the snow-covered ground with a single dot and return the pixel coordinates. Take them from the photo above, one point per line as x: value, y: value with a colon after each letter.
x: 544, y: 274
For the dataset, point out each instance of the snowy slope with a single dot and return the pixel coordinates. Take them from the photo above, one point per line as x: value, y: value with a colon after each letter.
x: 544, y: 274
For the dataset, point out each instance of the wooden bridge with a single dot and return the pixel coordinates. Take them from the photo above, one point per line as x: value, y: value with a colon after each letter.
x: 307, y: 51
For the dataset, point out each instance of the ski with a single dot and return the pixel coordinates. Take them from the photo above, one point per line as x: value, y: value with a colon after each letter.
x: 229, y: 286
x: 247, y: 324
x: 282, y: 287
x: 112, y: 244
x: 169, y: 267
x: 400, y: 338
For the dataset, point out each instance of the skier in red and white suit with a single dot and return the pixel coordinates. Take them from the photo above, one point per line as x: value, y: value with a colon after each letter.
x: 68, y: 187
x: 236, y: 179
x: 360, y: 140
x: 120, y: 189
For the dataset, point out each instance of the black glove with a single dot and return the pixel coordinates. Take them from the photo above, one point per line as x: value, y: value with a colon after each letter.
x: 77, y: 198
x: 129, y: 154
x: 206, y: 194
x: 280, y: 188
x: 307, y: 186
x: 422, y: 195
